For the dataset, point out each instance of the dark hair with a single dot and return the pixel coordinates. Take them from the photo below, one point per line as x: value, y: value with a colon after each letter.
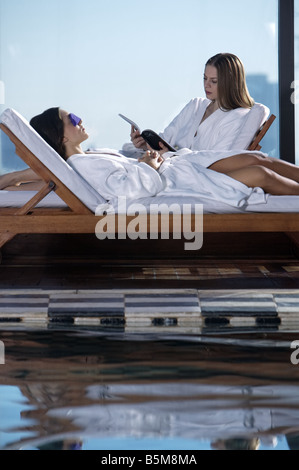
x: 232, y: 89
x: 50, y: 127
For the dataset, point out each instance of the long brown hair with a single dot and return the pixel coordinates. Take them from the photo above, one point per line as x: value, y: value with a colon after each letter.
x: 232, y: 88
x: 50, y: 127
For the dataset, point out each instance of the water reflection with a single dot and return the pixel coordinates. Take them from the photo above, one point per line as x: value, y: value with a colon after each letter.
x: 86, y: 389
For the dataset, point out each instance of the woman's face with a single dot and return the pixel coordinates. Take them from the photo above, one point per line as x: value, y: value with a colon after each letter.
x: 211, y: 82
x: 73, y: 133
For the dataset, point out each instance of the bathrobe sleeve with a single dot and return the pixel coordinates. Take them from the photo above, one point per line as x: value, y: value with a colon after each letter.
x: 178, y: 132
x: 114, y: 177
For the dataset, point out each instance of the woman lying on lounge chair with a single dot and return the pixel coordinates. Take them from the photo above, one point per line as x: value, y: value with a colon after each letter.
x: 178, y: 173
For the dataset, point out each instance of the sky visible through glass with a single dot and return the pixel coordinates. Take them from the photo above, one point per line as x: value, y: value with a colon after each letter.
x: 143, y: 59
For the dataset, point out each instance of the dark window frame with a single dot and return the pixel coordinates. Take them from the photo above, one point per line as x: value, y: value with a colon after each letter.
x: 286, y: 48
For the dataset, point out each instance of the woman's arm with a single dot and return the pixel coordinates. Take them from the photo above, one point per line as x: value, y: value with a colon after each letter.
x: 16, y: 178
x: 183, y: 121
x: 114, y: 177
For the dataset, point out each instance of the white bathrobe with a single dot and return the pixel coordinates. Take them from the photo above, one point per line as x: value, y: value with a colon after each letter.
x: 180, y: 175
x: 217, y: 132
x: 187, y: 130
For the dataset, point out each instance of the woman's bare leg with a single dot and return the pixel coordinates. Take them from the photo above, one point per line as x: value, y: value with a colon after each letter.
x: 237, y: 162
x: 30, y: 186
x: 270, y: 181
x: 24, y: 180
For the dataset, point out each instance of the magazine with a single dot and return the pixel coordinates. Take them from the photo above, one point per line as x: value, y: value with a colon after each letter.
x: 150, y: 137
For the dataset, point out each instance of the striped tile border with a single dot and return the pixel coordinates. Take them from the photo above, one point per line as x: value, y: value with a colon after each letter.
x: 239, y: 311
x: 28, y: 307
x: 186, y: 310
x: 87, y: 309
x: 86, y: 304
x: 170, y: 309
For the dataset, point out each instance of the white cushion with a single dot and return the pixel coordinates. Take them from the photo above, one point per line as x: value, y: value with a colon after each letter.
x: 54, y: 162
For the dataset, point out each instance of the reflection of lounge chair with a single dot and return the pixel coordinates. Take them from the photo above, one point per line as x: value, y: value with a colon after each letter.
x: 81, y: 199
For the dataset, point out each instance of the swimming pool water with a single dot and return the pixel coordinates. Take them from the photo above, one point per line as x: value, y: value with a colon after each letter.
x: 87, y: 388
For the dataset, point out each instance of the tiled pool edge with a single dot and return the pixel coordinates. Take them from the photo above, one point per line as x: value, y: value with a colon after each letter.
x: 133, y: 309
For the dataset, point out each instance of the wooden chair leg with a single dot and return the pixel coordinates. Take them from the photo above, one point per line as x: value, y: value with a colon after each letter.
x: 294, y: 239
x: 43, y: 192
x: 6, y: 237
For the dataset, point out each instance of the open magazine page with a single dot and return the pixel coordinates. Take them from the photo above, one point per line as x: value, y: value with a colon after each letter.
x: 152, y: 138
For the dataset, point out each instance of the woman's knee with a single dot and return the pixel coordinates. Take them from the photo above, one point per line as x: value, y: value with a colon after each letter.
x: 257, y: 160
x: 260, y: 174
x: 239, y: 162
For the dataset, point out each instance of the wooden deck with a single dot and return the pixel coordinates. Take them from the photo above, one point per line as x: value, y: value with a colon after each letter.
x: 62, y: 221
x: 226, y: 261
x: 236, y: 282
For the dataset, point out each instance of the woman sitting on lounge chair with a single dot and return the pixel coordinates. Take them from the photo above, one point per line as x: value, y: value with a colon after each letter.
x: 173, y: 173
x: 210, y: 123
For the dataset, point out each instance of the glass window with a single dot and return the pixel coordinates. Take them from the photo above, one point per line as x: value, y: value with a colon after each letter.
x: 143, y: 59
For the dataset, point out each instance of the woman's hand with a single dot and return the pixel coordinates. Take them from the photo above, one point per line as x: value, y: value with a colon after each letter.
x: 153, y: 159
x: 164, y: 149
x: 137, y: 140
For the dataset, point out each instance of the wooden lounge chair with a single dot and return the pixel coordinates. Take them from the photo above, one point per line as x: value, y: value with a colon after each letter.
x: 255, y: 144
x: 78, y: 218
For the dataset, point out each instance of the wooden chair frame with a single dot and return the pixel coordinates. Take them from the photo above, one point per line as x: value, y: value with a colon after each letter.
x: 76, y: 218
x: 255, y: 144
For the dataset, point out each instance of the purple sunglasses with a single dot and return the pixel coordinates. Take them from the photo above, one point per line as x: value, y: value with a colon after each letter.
x: 75, y: 120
